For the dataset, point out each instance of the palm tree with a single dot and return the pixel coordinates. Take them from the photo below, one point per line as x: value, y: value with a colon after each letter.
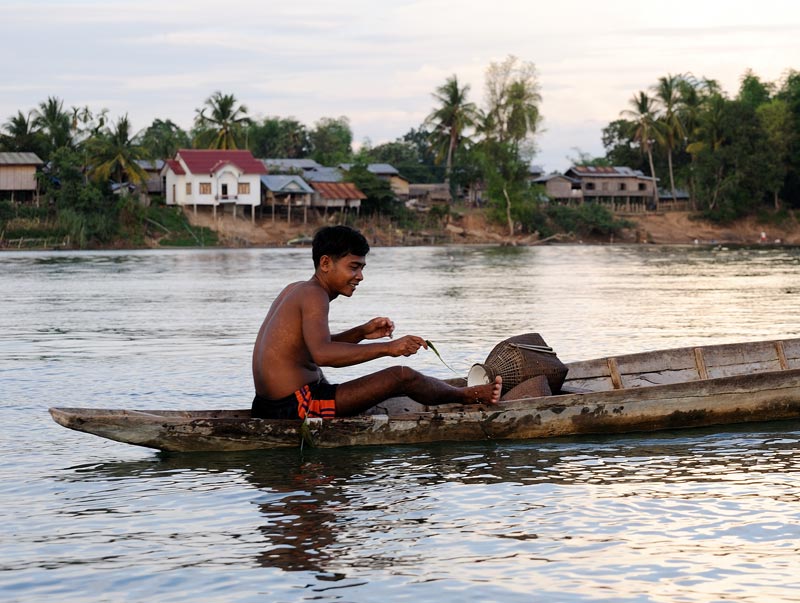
x: 642, y: 113
x: 694, y: 98
x: 20, y: 134
x: 454, y: 115
x: 113, y: 155
x: 523, y: 110
x: 221, y: 121
x: 54, y: 122
x: 667, y: 93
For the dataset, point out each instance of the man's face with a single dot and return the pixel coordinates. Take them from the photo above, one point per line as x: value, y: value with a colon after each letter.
x: 347, y: 273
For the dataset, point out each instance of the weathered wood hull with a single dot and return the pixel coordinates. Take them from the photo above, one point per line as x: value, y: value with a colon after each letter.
x: 767, y: 396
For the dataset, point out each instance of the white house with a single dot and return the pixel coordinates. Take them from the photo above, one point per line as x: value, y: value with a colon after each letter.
x: 216, y: 178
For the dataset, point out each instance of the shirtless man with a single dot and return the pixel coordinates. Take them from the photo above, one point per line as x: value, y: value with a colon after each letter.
x: 295, y: 341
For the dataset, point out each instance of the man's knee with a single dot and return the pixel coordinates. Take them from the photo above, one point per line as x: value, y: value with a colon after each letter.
x: 405, y: 376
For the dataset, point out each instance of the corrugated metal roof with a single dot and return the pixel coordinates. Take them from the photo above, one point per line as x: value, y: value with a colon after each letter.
x: 338, y: 190
x: 206, y: 161
x: 23, y: 158
x: 146, y: 164
x: 280, y: 183
x: 323, y: 174
x: 379, y: 169
x: 278, y: 164
x: 548, y: 177
x: 606, y: 171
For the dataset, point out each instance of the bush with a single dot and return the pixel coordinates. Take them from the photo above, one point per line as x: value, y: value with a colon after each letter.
x: 586, y: 219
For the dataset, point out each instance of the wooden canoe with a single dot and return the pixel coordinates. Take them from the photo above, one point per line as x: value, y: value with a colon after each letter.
x: 660, y: 390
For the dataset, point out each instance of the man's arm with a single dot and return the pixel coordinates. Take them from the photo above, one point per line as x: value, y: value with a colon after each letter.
x: 326, y: 350
x: 374, y: 329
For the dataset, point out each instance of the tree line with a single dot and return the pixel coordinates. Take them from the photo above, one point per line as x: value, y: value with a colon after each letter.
x: 735, y: 156
x: 458, y: 143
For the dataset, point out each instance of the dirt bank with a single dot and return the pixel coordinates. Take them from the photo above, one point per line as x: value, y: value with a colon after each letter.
x: 676, y: 228
x: 668, y: 228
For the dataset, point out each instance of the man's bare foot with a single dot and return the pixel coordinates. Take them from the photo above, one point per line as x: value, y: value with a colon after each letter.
x: 486, y: 394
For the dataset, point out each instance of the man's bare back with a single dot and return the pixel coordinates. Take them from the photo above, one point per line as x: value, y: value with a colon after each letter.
x: 281, y: 361
x: 295, y: 340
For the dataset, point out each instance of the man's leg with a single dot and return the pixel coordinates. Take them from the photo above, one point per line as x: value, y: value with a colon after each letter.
x: 358, y: 395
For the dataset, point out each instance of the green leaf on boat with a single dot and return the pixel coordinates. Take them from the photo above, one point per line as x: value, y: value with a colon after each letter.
x: 305, y: 434
x: 435, y: 351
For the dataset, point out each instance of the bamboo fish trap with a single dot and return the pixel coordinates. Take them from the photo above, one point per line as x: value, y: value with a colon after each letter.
x: 517, y: 360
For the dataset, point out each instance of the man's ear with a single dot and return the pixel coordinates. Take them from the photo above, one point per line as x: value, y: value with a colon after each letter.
x: 325, y: 263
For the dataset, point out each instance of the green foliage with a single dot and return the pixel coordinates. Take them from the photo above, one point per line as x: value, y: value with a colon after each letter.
x: 586, y: 219
x: 7, y: 212
x: 734, y: 175
x: 277, y: 137
x: 380, y: 197
x: 162, y: 140
x: 405, y: 156
x: 169, y: 225
x: 331, y: 141
x: 73, y: 223
x: 450, y: 121
x: 506, y: 177
x: 221, y: 123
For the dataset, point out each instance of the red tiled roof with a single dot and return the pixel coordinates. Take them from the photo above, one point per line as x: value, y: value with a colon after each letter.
x: 338, y: 190
x: 202, y: 161
x: 175, y: 166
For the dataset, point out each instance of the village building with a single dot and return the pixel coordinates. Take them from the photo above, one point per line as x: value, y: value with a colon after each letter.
x: 285, y: 191
x: 155, y: 179
x: 621, y: 189
x: 422, y: 197
x: 386, y: 172
x: 291, y: 166
x: 18, y: 176
x: 560, y: 188
x: 337, y: 195
x: 216, y: 178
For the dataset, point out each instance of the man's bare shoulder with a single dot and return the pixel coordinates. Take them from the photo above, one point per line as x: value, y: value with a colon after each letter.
x: 301, y: 294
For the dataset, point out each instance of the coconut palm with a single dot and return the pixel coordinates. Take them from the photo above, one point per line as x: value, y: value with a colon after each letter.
x: 221, y: 122
x: 19, y: 133
x: 113, y: 155
x: 642, y: 113
x: 667, y: 93
x: 523, y: 110
x: 449, y: 121
x: 54, y: 122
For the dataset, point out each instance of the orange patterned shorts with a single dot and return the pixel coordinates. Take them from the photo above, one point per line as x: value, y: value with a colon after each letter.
x: 314, y: 400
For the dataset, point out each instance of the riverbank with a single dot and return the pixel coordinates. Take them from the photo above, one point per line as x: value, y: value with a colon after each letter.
x: 666, y: 228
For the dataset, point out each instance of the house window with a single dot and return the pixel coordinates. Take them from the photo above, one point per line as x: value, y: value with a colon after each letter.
x: 205, y: 188
x: 244, y: 188
x: 224, y: 191
x: 642, y: 186
x: 623, y: 186
x: 188, y: 188
x: 590, y: 186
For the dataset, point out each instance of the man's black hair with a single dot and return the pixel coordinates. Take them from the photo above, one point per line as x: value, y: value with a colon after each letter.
x: 337, y: 242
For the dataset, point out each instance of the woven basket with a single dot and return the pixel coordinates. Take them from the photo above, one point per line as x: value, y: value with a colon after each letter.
x: 516, y: 360
x: 535, y: 387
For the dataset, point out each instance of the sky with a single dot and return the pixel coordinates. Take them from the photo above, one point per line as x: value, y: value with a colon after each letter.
x: 378, y: 62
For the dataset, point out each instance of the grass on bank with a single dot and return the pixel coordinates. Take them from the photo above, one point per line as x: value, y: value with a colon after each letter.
x: 121, y: 222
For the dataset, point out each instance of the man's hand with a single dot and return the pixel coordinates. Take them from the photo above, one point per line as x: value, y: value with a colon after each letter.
x: 378, y: 327
x: 407, y: 345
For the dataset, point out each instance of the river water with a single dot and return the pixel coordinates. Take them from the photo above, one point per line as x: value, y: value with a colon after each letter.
x: 694, y: 516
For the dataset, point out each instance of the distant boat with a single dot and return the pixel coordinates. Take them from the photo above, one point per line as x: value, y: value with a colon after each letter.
x: 301, y: 240
x: 650, y: 391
